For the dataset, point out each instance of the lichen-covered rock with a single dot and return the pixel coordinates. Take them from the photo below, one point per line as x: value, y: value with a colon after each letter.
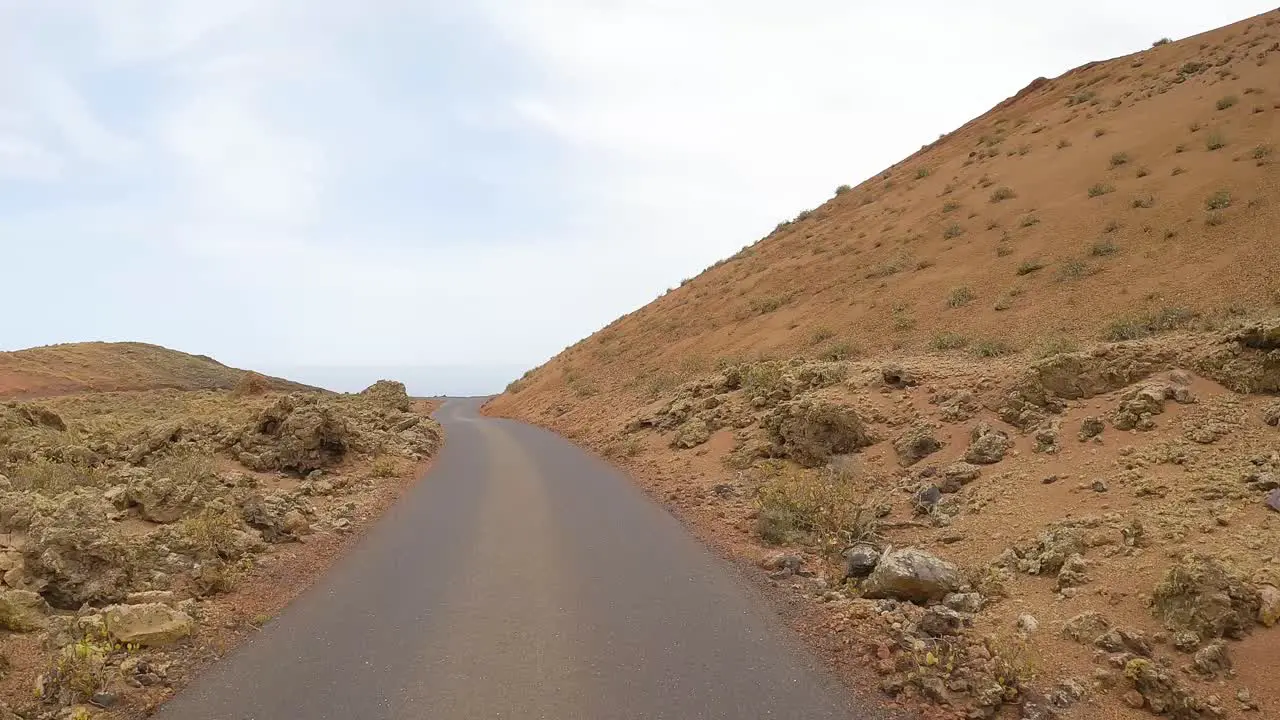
x: 1161, y: 691
x: 1073, y: 572
x: 1271, y: 415
x: 76, y: 555
x: 860, y: 560
x: 691, y: 434
x: 1050, y: 551
x: 1047, y: 437
x: 389, y: 393
x: 811, y: 431
x: 1212, y: 659
x: 987, y: 445
x: 913, y: 575
x: 957, y: 475
x: 916, y: 443
x: 940, y: 620
x: 295, y: 434
x: 894, y: 375
x: 1086, y: 627
x: 22, y: 610
x: 1138, y: 405
x: 164, y: 499
x: 1202, y: 594
x: 1118, y: 640
x: 268, y: 512
x: 1091, y: 427
x: 150, y: 624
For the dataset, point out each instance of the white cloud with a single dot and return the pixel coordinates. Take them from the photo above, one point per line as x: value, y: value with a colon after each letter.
x: 23, y: 159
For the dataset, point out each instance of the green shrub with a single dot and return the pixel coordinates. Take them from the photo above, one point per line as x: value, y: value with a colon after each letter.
x: 1099, y: 189
x: 1118, y: 159
x: 922, y: 173
x: 954, y: 230
x: 989, y: 348
x: 948, y: 341
x: 821, y: 507
x: 950, y: 206
x: 842, y: 190
x: 1219, y: 200
x: 1144, y: 201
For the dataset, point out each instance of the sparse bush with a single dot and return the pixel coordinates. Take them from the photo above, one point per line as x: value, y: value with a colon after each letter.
x: 1081, y: 98
x: 213, y: 534
x: 1195, y: 127
x: 1261, y: 152
x: 1102, y: 248
x: 1118, y: 159
x: 1180, y: 148
x: 989, y: 348
x: 960, y: 297
x: 1026, y: 267
x: 51, y: 478
x: 842, y: 190
x: 821, y: 334
x: 948, y: 341
x: 1099, y: 132
x: 922, y: 173
x: 1143, y: 172
x: 1111, y: 226
x: 950, y: 206
x: 1003, y: 250
x: 1141, y: 326
x: 766, y: 304
x: 1219, y: 200
x: 1002, y: 193
x: 1214, y: 219
x: 1004, y: 302
x: 1161, y: 41
x: 1215, y: 141
x: 386, y: 466
x: 837, y: 351
x: 1143, y: 201
x: 1054, y: 345
x: 1177, y: 170
x: 954, y: 230
x: 1073, y: 269
x: 1028, y: 221
x: 1099, y: 189
x: 1227, y: 102
x: 1064, y: 144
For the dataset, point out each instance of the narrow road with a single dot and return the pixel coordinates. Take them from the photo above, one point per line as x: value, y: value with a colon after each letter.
x: 522, y: 578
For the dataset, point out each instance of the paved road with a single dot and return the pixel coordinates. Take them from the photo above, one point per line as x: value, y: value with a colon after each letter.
x: 522, y: 578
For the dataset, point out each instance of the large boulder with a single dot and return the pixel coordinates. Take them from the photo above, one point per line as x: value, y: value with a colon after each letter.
x: 22, y: 610
x: 295, y: 434
x: 149, y: 624
x: 76, y: 555
x: 388, y: 393
x: 913, y: 575
x: 811, y: 431
x: 1203, y: 595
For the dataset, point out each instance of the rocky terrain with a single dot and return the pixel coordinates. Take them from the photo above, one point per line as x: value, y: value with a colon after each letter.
x: 141, y: 533
x: 1000, y: 423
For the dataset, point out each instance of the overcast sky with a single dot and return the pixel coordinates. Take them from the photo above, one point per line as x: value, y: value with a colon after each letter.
x: 286, y: 184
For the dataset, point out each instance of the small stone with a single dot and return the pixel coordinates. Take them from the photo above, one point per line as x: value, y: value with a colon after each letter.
x: 1212, y: 659
x: 1027, y: 624
x: 104, y: 699
x: 1099, y: 486
x: 1090, y: 427
x: 1051, y: 479
x: 1269, y: 610
x: 964, y: 602
x: 1134, y: 699
x: 940, y: 620
x: 1273, y: 500
x: 1186, y: 640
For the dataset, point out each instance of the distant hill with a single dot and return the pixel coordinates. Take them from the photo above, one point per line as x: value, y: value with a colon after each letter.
x: 102, y: 367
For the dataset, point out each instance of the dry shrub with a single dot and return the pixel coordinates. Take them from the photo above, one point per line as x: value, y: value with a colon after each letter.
x: 820, y: 507
x: 386, y: 466
x: 50, y: 478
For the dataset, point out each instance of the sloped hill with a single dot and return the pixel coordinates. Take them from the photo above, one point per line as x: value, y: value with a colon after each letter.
x: 1038, y: 359
x: 1123, y: 197
x: 101, y: 366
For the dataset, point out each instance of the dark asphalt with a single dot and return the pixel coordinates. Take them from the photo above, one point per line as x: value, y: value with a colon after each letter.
x: 522, y: 578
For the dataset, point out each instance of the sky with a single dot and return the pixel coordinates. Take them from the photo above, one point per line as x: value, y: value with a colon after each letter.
x: 458, y: 191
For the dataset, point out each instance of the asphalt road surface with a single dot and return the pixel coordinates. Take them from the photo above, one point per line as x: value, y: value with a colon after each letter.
x: 522, y: 578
